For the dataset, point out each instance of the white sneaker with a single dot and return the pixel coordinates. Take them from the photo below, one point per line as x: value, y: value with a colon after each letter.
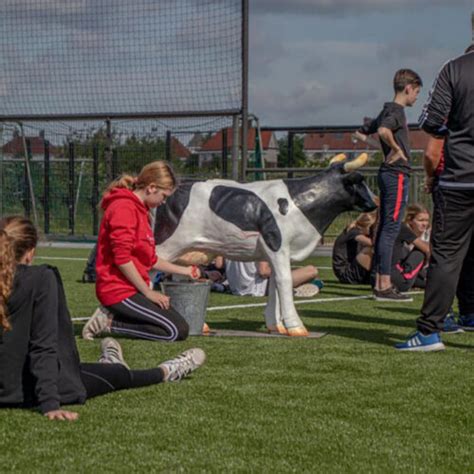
x: 181, y: 366
x: 307, y: 290
x: 97, y: 324
x: 111, y: 352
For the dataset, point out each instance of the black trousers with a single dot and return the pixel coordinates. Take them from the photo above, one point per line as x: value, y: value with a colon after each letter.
x: 393, y: 198
x: 409, y: 271
x: 99, y: 379
x: 452, y: 258
x: 138, y: 317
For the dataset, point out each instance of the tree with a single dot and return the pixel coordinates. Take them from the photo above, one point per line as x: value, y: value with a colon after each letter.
x: 299, y: 157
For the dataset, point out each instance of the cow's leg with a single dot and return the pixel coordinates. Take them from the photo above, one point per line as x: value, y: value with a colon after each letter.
x: 282, y: 270
x: 273, y: 318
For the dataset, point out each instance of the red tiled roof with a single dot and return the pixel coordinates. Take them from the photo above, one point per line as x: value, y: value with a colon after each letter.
x: 178, y: 149
x: 214, y: 143
x: 343, y: 141
x: 15, y: 146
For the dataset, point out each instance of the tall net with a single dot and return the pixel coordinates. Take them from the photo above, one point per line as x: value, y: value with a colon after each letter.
x: 118, y: 58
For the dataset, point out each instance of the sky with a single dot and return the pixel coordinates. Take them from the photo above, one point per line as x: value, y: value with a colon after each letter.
x: 331, y: 62
x: 311, y: 62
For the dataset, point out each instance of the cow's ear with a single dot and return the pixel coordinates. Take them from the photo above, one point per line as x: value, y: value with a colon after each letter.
x: 352, y: 178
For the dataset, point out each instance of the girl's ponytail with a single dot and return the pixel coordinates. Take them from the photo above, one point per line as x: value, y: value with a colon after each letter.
x: 7, y: 272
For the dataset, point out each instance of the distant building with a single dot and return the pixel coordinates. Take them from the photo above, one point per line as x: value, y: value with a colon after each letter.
x: 325, y: 144
x: 213, y: 147
x: 15, y: 148
x: 178, y: 150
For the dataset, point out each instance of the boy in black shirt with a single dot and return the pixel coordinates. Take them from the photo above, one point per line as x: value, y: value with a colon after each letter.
x: 393, y: 177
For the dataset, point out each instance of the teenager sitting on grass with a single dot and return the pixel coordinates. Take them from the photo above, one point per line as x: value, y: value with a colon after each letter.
x: 39, y: 360
x: 126, y: 255
x: 251, y: 279
x: 411, y: 250
x: 353, y: 250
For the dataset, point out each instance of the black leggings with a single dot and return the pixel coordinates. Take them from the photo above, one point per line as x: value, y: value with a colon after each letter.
x: 409, y: 271
x: 140, y: 318
x: 100, y: 378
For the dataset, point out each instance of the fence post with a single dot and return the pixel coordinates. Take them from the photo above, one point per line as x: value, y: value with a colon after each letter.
x: 168, y: 146
x: 224, y: 153
x: 95, y: 189
x: 115, y: 171
x: 46, y: 187
x: 27, y: 193
x: 109, y: 172
x: 71, y: 188
x: 291, y: 161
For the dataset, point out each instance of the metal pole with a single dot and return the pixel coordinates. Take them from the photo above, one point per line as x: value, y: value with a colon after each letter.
x: 29, y: 180
x: 291, y: 160
x: 109, y: 172
x: 224, y: 153
x: 168, y: 146
x: 46, y: 187
x: 71, y: 188
x: 245, y: 80
x: 235, y: 147
x: 115, y: 170
x: 95, y: 189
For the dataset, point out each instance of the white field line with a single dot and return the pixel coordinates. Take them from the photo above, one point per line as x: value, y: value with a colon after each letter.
x: 78, y: 259
x: 261, y: 305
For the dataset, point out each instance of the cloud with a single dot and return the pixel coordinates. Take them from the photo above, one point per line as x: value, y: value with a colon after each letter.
x: 341, y: 8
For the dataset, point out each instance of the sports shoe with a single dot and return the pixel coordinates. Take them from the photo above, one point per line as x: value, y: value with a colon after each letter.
x: 417, y: 342
x: 391, y: 294
x: 450, y: 326
x: 111, y: 352
x: 175, y: 369
x: 97, y: 324
x: 466, y: 322
x: 307, y: 290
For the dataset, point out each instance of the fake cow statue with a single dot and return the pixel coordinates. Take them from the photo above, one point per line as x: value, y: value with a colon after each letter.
x: 279, y: 221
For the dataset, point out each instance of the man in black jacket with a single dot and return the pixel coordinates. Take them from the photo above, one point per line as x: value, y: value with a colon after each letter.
x: 449, y: 113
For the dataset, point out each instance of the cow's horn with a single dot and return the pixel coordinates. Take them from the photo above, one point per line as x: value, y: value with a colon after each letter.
x: 356, y: 163
x: 338, y: 158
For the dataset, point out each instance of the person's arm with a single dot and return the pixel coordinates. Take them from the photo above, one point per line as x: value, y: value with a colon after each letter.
x: 423, y: 246
x: 431, y: 159
x: 133, y: 276
x: 264, y: 269
x: 386, y: 135
x: 43, y: 348
x: 191, y: 271
x: 364, y: 240
x: 437, y: 109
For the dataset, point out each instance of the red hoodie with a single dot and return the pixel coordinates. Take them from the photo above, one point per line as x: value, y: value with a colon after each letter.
x: 125, y: 235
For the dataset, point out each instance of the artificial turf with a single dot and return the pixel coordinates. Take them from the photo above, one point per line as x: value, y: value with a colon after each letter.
x: 345, y: 403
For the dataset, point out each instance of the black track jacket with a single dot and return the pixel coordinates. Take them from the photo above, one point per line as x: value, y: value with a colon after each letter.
x: 450, y: 112
x: 39, y: 362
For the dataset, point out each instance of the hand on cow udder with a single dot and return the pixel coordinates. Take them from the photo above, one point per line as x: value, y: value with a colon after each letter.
x: 158, y: 298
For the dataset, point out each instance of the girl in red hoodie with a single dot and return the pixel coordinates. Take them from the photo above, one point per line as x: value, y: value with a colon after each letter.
x: 126, y: 254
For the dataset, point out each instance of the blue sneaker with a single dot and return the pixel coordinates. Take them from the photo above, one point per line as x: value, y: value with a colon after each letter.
x: 450, y: 326
x: 420, y: 343
x: 467, y: 322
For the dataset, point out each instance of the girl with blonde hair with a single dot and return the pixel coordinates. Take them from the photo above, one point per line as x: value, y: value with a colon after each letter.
x: 39, y: 360
x: 125, y: 256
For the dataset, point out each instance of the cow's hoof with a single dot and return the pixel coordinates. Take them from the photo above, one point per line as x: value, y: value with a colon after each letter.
x: 206, y: 329
x: 278, y: 329
x: 298, y: 332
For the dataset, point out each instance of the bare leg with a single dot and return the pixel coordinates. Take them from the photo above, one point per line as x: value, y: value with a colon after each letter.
x: 303, y: 275
x: 364, y: 258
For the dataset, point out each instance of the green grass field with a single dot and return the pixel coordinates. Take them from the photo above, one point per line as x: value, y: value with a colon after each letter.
x: 345, y: 403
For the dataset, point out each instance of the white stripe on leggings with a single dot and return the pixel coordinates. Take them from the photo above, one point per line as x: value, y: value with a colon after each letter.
x: 155, y: 317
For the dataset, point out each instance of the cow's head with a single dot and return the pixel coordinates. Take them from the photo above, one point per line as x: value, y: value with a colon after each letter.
x: 354, y: 191
x: 337, y: 189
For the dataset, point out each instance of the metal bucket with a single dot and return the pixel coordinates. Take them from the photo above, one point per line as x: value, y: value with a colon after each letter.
x: 190, y: 300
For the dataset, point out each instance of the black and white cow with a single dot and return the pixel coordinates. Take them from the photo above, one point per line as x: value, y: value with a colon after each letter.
x: 279, y: 221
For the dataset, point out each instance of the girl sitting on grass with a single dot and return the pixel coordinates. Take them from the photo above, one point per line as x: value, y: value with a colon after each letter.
x: 39, y: 360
